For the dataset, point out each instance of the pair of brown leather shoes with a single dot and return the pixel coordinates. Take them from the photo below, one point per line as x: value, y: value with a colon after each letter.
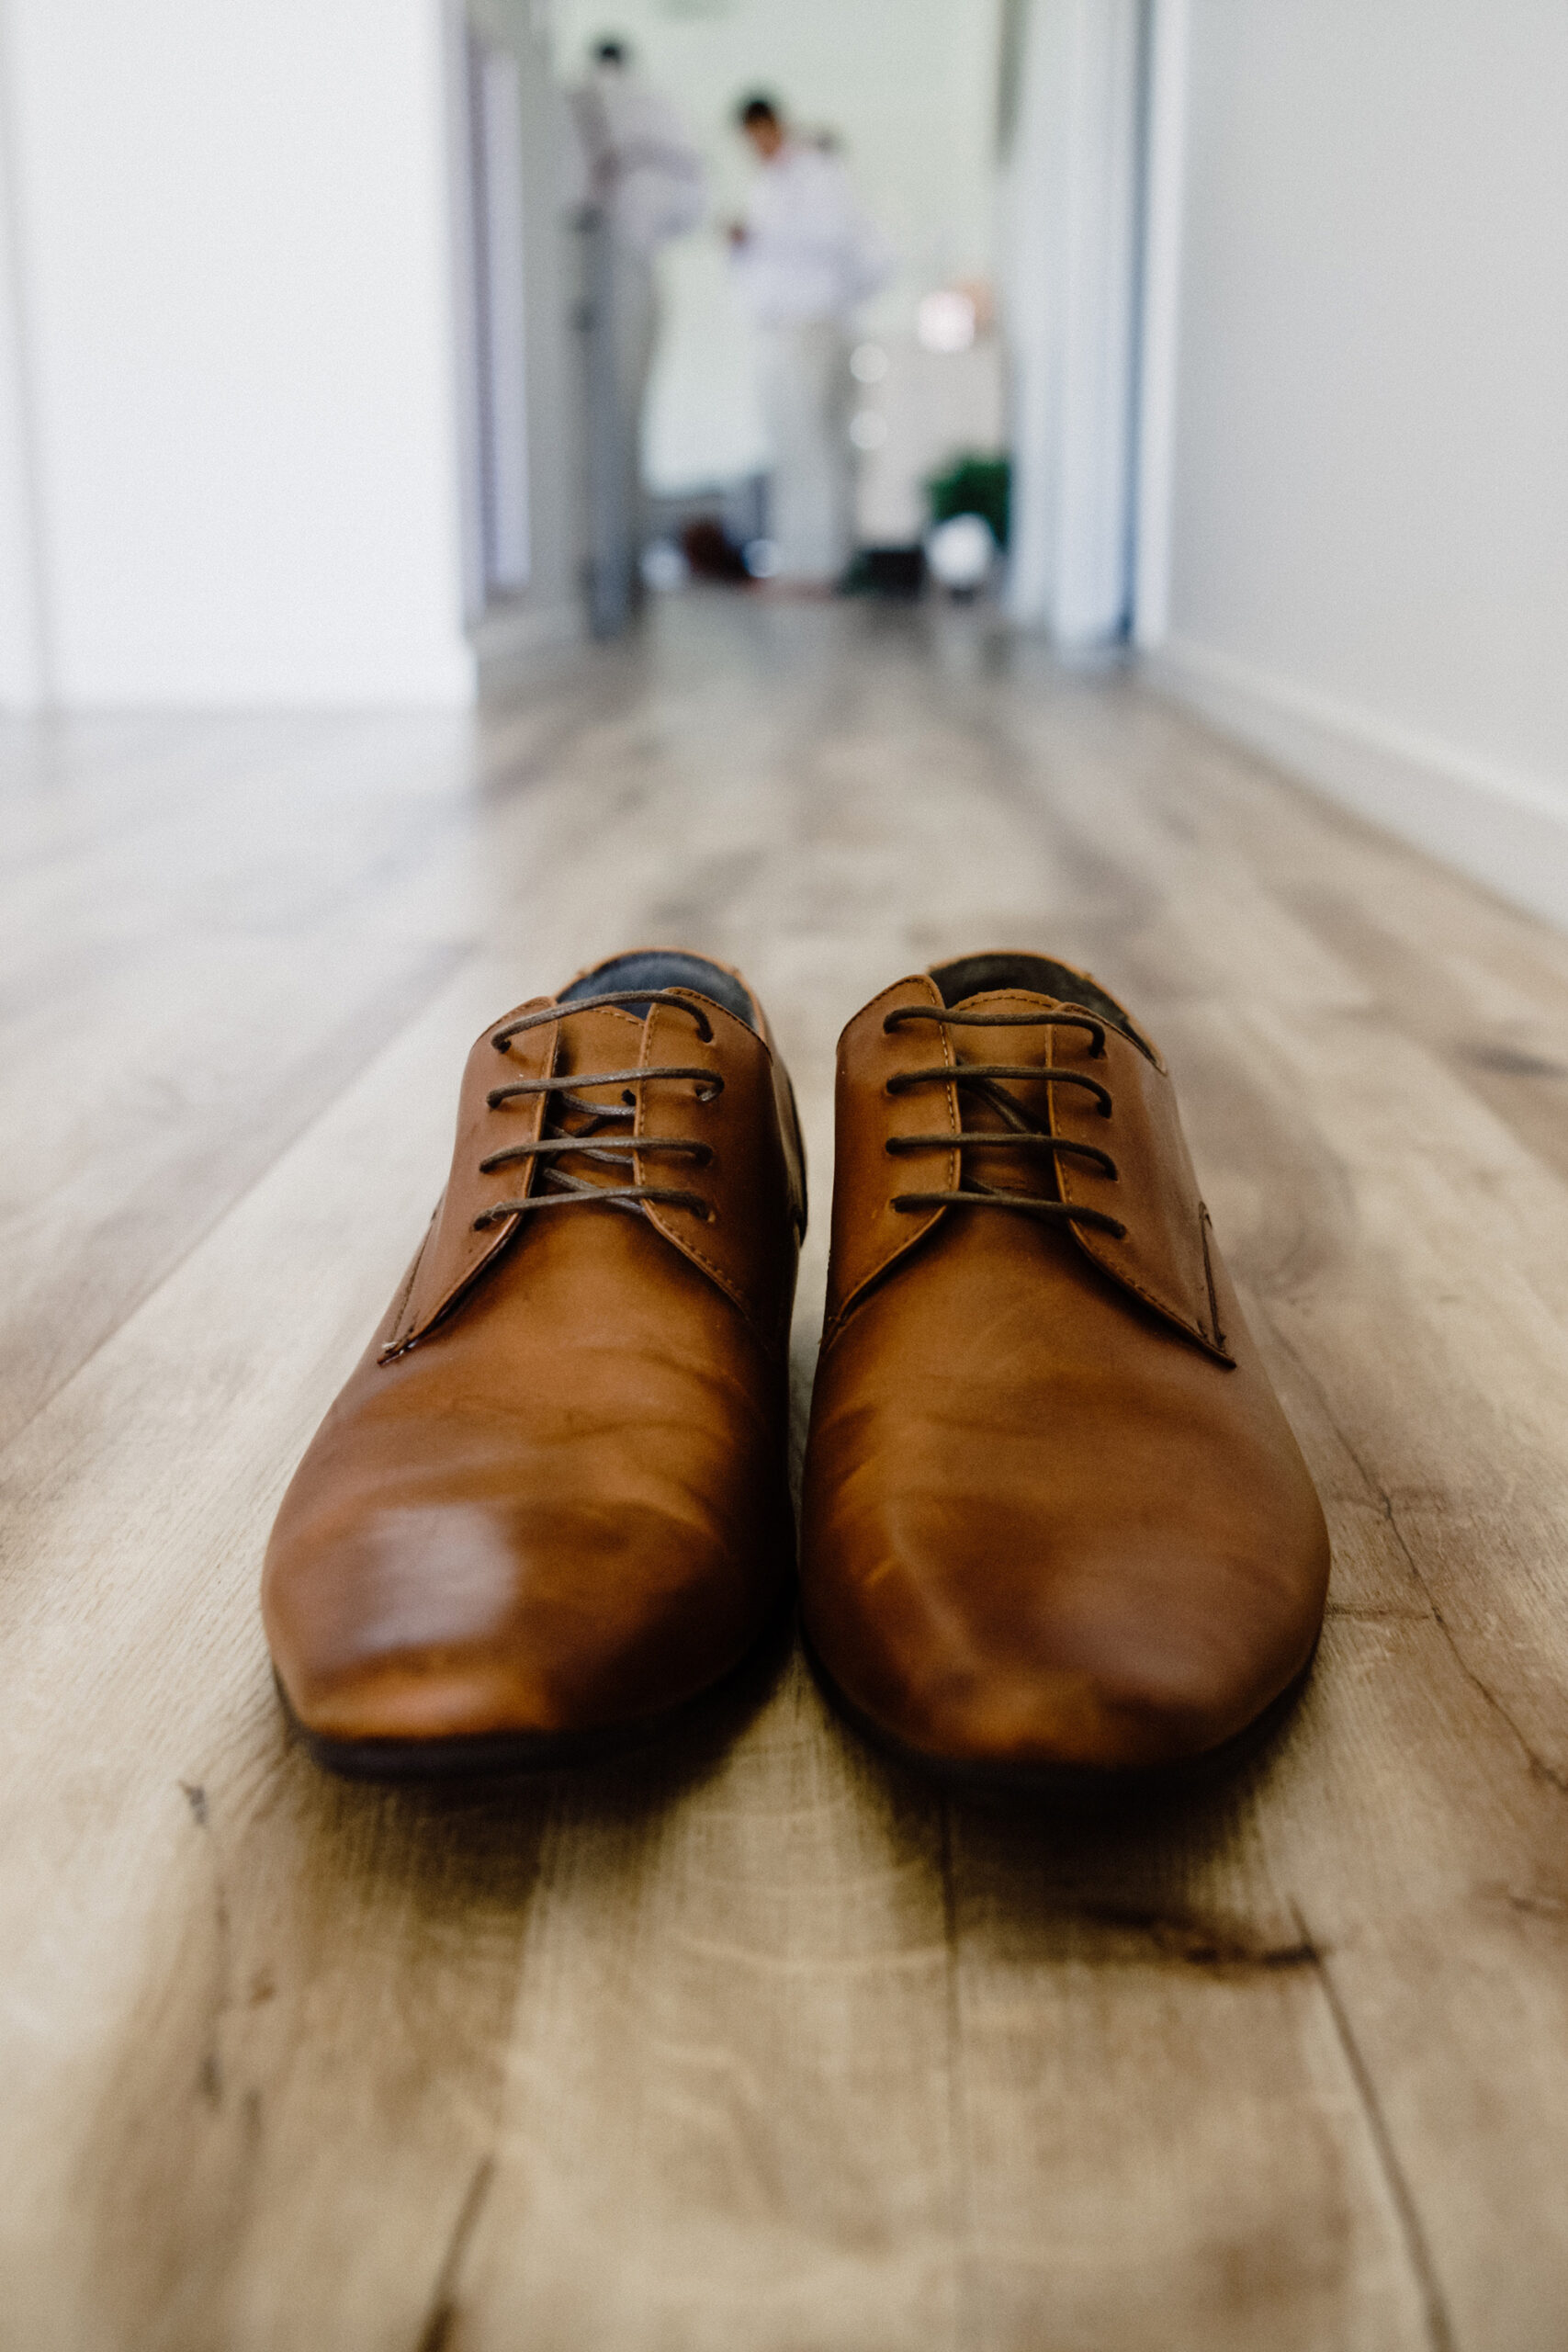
x: 1057, y: 1534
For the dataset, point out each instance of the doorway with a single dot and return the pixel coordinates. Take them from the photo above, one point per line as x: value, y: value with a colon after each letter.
x: 1022, y: 157
x: 901, y: 94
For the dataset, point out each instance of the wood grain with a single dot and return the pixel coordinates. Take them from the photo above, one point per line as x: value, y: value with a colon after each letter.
x: 757, y: 2046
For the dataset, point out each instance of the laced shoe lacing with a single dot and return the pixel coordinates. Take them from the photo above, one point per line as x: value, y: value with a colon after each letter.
x: 1019, y: 1131
x: 597, y: 1138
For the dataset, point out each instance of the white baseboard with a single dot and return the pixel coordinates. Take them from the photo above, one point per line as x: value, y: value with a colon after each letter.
x: 1507, y: 830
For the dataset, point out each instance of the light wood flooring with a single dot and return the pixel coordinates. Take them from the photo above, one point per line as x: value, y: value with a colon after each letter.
x: 756, y: 2047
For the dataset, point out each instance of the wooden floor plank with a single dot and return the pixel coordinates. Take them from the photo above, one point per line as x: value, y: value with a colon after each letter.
x: 732, y: 2064
x: 1166, y: 2141
x: 135, y: 1125
x: 757, y: 2045
x: 169, y: 1860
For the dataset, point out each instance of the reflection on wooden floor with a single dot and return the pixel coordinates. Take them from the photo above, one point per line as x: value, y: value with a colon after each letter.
x: 757, y: 2047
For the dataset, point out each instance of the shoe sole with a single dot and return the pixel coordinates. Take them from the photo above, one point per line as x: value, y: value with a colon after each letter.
x: 495, y: 1754
x: 1072, y: 1787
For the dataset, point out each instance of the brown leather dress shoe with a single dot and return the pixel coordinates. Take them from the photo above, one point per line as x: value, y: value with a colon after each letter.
x: 1057, y: 1534
x: 550, y: 1507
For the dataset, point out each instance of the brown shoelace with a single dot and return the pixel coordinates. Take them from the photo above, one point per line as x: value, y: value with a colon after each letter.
x: 1020, y: 1133
x: 591, y: 1142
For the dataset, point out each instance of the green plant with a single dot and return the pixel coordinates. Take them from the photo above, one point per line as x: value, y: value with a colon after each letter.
x: 972, y: 484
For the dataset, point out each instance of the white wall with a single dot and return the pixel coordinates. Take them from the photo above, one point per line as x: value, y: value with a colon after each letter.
x: 910, y: 85
x: 235, y: 261
x: 1369, y: 564
x: 24, y: 652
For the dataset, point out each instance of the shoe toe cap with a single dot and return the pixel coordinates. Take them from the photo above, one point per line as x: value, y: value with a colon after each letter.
x: 456, y: 1619
x: 1141, y: 1660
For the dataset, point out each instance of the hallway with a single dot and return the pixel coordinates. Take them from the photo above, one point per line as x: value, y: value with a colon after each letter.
x: 757, y: 2047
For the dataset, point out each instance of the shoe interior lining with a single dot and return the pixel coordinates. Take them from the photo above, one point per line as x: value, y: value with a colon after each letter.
x: 980, y: 975
x: 663, y: 967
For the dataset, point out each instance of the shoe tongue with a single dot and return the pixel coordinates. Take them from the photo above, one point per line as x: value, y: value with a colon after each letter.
x: 1038, y: 980
x: 1010, y: 1000
x: 983, y: 1112
x: 589, y: 1045
x: 664, y: 967
x: 592, y: 1042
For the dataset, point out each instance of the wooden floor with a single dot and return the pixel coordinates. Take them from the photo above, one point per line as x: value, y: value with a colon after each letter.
x: 757, y: 2047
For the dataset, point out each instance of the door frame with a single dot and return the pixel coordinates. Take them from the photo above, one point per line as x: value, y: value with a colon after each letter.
x: 1094, y: 188
x: 1159, y: 327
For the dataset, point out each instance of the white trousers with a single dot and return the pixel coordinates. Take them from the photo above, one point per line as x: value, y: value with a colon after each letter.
x: 806, y: 389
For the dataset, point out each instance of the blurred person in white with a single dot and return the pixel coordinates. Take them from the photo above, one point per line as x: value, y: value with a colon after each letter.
x: 805, y: 257
x: 640, y: 181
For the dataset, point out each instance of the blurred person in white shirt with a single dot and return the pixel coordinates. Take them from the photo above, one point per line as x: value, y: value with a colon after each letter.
x: 638, y: 181
x: 805, y: 257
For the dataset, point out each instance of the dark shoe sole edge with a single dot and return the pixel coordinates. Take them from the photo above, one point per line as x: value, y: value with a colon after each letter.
x: 487, y: 1755
x: 1072, y: 1787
